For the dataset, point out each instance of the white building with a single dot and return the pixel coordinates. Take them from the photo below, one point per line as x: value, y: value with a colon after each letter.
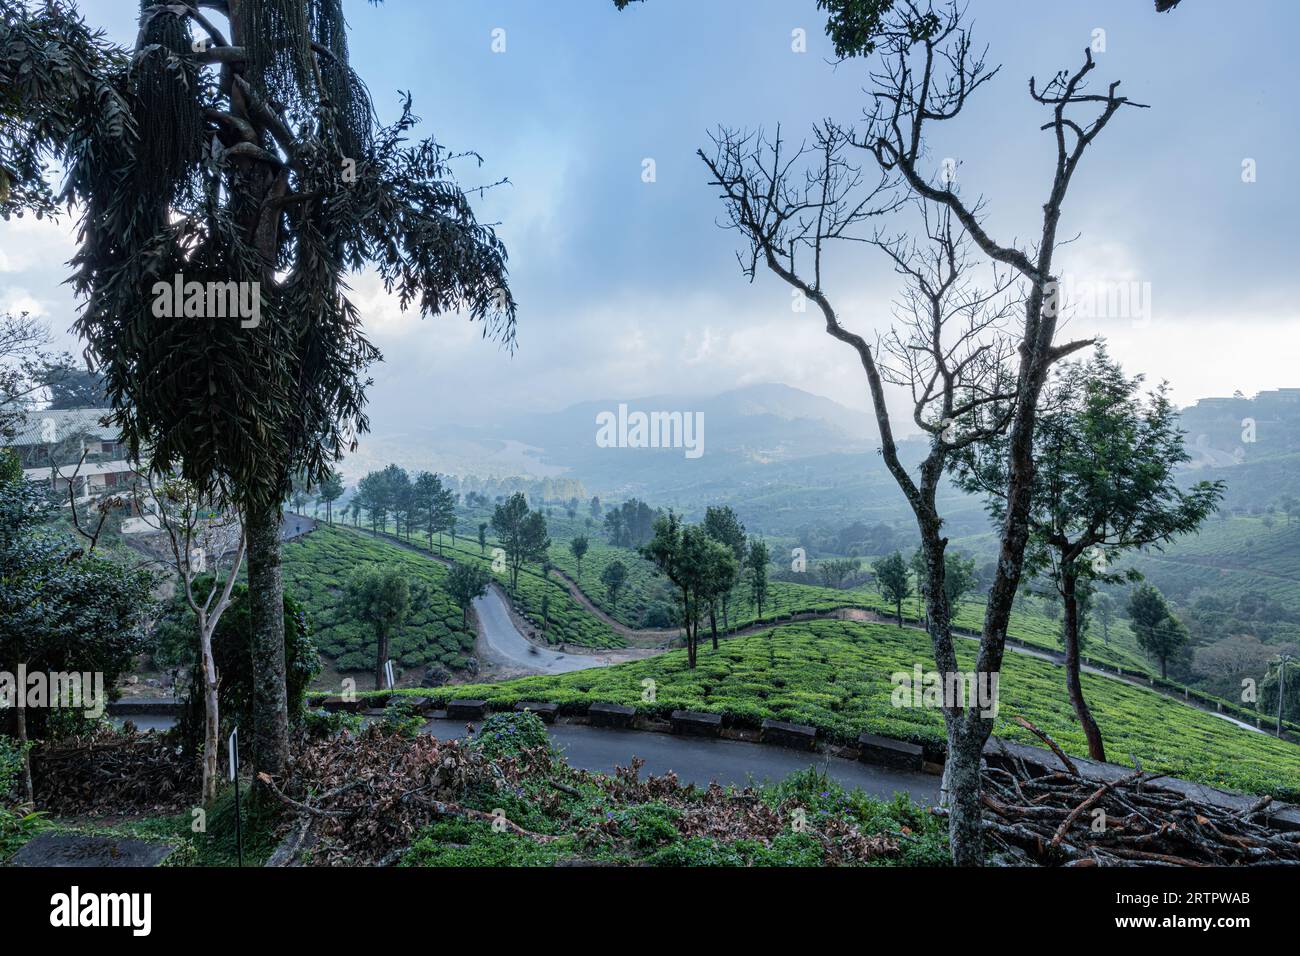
x: 74, y: 447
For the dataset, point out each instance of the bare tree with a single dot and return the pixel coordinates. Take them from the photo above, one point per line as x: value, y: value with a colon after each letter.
x: 203, y: 538
x: 792, y: 208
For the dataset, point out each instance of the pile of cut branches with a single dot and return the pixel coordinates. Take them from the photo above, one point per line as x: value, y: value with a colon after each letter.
x: 110, y: 771
x: 1051, y: 817
x: 718, y: 813
x: 363, y: 797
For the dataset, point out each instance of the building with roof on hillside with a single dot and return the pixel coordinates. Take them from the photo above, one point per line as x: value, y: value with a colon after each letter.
x: 75, y: 448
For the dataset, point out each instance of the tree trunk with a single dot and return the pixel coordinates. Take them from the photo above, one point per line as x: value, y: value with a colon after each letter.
x: 29, y: 792
x: 211, y: 714
x: 266, y: 592
x: 1164, y: 668
x: 381, y: 655
x: 713, y: 625
x: 961, y: 789
x: 1073, y: 681
x: 899, y: 611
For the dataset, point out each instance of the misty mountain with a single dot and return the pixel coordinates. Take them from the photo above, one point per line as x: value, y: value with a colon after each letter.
x: 786, y: 458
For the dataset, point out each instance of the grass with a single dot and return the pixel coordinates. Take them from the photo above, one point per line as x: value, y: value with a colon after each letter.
x: 835, y: 675
x: 316, y: 570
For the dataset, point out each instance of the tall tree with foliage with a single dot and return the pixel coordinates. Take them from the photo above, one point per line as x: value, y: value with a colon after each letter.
x: 465, y: 582
x: 1157, y: 630
x: 894, y: 581
x: 697, y: 566
x: 382, y: 597
x: 426, y: 488
x: 235, y: 145
x: 578, y: 546
x: 522, y: 534
x: 722, y: 525
x: 444, y: 513
x: 330, y: 491
x: 956, y: 351
x: 756, y: 562
x: 1104, y: 484
x: 614, y: 576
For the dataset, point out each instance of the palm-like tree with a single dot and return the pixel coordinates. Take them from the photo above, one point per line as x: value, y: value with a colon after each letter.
x: 234, y: 144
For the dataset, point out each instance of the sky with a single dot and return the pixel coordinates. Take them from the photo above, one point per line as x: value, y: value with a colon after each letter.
x: 628, y: 288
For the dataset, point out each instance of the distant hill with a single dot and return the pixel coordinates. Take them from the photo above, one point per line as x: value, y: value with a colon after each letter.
x: 789, y: 459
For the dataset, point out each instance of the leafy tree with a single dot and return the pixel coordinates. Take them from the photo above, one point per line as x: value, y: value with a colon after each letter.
x: 1279, y: 691
x: 24, y: 359
x: 722, y: 525
x: 719, y: 571
x: 331, y: 490
x: 959, y: 578
x: 756, y: 567
x: 246, y: 155
x: 836, y: 571
x: 465, y: 582
x: 1158, y: 632
x: 579, y: 546
x: 72, y: 386
x: 427, y: 489
x: 613, y: 577
x: 522, y: 534
x: 894, y: 581
x: 444, y: 513
x: 1104, y: 605
x: 595, y: 508
x: 698, y: 567
x: 62, y: 607
x: 382, y: 597
x: 299, y: 494
x: 482, y: 537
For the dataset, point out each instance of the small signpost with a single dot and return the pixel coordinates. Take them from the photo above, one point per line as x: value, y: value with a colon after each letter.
x: 388, y: 674
x: 233, y: 744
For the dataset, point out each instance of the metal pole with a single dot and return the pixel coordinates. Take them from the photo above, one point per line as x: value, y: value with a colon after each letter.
x: 234, y: 774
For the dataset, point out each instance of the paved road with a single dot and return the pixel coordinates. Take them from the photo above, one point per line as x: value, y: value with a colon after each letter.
x: 694, y: 760
x: 502, y: 640
x: 701, y: 761
x: 508, y: 646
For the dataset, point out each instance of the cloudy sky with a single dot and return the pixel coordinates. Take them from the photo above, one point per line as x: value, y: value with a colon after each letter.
x: 628, y: 288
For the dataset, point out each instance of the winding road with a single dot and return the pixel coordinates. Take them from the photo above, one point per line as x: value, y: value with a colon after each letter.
x: 501, y: 641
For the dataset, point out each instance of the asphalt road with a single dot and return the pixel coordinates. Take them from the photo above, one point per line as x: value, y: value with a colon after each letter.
x: 508, y: 646
x: 702, y: 761
x: 695, y: 760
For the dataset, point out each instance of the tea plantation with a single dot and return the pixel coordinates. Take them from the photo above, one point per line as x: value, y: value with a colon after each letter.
x: 316, y: 569
x: 835, y: 675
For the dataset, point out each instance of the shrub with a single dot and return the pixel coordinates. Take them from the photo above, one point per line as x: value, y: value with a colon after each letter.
x: 506, y: 735
x: 401, y: 716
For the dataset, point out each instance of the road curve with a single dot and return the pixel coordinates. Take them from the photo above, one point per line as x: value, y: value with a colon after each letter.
x: 506, y: 645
